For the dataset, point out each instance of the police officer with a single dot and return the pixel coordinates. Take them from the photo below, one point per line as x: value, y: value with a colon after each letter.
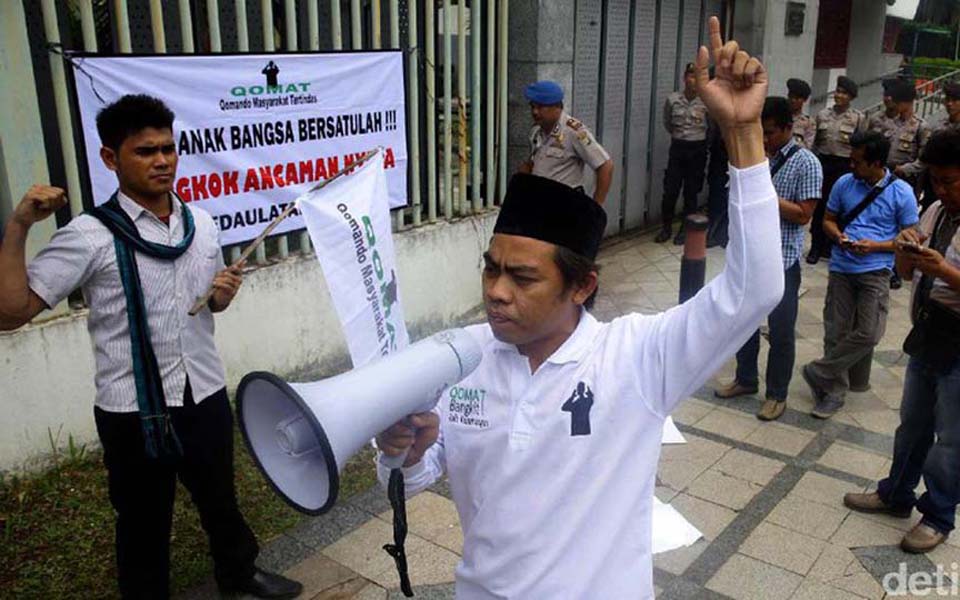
x: 560, y: 145
x: 885, y: 121
x: 909, y: 136
x: 685, y: 118
x: 835, y: 126
x: 804, y: 126
x: 951, y: 102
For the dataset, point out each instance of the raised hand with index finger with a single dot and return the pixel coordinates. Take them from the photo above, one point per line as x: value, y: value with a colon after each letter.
x: 734, y: 96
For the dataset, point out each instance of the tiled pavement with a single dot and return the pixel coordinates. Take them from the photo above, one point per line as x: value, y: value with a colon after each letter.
x: 767, y: 496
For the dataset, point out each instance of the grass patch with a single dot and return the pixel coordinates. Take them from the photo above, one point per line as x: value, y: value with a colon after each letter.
x: 56, y: 528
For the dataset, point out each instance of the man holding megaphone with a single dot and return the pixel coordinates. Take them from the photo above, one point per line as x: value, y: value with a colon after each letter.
x: 551, y: 444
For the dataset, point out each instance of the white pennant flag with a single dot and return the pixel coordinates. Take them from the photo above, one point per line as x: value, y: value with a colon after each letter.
x: 349, y: 225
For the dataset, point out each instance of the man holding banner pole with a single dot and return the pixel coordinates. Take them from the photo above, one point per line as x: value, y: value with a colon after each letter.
x: 161, y: 409
x: 551, y: 444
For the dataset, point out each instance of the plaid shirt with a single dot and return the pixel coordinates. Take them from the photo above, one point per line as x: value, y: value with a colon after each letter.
x: 800, y: 179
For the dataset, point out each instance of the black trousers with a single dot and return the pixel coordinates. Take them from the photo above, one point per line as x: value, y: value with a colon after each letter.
x: 685, y: 169
x: 142, y: 492
x: 834, y: 167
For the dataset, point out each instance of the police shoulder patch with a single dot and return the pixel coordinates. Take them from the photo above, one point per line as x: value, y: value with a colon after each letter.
x: 574, y: 124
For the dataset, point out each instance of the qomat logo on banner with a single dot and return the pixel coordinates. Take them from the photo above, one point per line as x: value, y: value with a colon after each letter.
x: 254, y: 132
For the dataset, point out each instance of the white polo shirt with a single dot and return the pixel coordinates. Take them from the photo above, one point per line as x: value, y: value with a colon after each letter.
x: 82, y: 255
x: 553, y: 472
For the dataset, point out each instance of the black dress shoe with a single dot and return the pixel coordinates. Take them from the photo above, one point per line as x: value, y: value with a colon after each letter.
x: 664, y: 235
x: 895, y: 282
x: 680, y: 238
x: 264, y: 584
x: 812, y: 258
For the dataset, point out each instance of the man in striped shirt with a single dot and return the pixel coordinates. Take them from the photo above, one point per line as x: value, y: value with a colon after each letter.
x: 797, y: 178
x: 171, y: 366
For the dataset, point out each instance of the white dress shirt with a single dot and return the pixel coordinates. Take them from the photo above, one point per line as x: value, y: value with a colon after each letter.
x: 82, y: 254
x: 555, y: 504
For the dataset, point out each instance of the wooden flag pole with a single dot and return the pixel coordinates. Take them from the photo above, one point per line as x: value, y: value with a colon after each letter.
x: 202, y: 301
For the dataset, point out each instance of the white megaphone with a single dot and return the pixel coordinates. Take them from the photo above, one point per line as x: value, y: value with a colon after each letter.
x: 302, y: 434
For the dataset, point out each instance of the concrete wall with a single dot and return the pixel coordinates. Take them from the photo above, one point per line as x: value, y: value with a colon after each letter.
x: 759, y: 26
x: 282, y: 321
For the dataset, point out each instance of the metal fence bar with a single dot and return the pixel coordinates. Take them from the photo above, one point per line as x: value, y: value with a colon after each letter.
x: 414, y: 87
x: 475, y: 37
x: 313, y: 26
x: 490, y: 175
x: 462, y: 101
x: 269, y: 45
x: 243, y: 44
x: 290, y: 33
x: 447, y: 112
x: 356, y: 31
x: 336, y: 28
x: 431, y: 87
x: 186, y: 25
x: 213, y: 20
x: 123, y: 25
x: 88, y: 26
x: 69, y: 151
x: 502, y: 66
x: 156, y: 27
x: 398, y: 222
x: 243, y: 34
x: 375, y: 19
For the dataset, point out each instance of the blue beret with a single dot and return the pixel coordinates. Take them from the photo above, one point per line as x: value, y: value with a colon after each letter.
x: 544, y: 92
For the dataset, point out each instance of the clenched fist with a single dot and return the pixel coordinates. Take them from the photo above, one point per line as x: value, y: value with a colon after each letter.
x: 38, y: 203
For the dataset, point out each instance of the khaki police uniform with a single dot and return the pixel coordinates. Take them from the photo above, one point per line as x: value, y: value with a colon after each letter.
x: 883, y: 123
x: 804, y: 130
x: 686, y: 121
x: 906, y: 142
x: 561, y: 154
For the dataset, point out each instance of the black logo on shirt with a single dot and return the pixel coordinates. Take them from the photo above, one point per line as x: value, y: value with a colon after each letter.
x: 578, y: 405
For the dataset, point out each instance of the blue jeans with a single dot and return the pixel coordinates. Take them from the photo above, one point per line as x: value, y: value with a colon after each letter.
x: 931, y: 406
x: 783, y: 337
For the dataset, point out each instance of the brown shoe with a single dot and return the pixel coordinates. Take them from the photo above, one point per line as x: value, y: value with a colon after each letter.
x: 871, y: 503
x: 733, y: 390
x: 922, y: 538
x: 771, y: 410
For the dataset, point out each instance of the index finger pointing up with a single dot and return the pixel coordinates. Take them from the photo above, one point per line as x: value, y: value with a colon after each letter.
x: 716, y: 40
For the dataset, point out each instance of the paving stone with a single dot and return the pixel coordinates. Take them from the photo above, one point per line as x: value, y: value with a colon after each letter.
x: 282, y: 553
x: 433, y: 518
x: 676, y: 561
x: 808, y: 517
x: 680, y: 464
x: 748, y: 466
x: 857, y: 461
x: 691, y: 411
x: 815, y: 590
x: 724, y: 490
x: 708, y: 517
x: 880, y: 561
x: 884, y: 420
x: 857, y: 531
x: 839, y: 568
x: 729, y: 423
x: 784, y: 548
x: 779, y: 437
x: 319, y: 573
x: 427, y: 592
x: 317, y: 532
x: 371, y: 592
x: 744, y: 578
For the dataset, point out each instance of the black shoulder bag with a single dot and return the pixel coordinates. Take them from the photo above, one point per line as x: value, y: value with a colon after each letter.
x: 844, y: 220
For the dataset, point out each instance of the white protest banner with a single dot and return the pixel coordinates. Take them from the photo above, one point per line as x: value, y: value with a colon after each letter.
x: 349, y: 224
x: 254, y: 131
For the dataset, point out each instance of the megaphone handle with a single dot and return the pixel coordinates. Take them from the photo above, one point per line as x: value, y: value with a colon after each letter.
x: 393, y: 462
